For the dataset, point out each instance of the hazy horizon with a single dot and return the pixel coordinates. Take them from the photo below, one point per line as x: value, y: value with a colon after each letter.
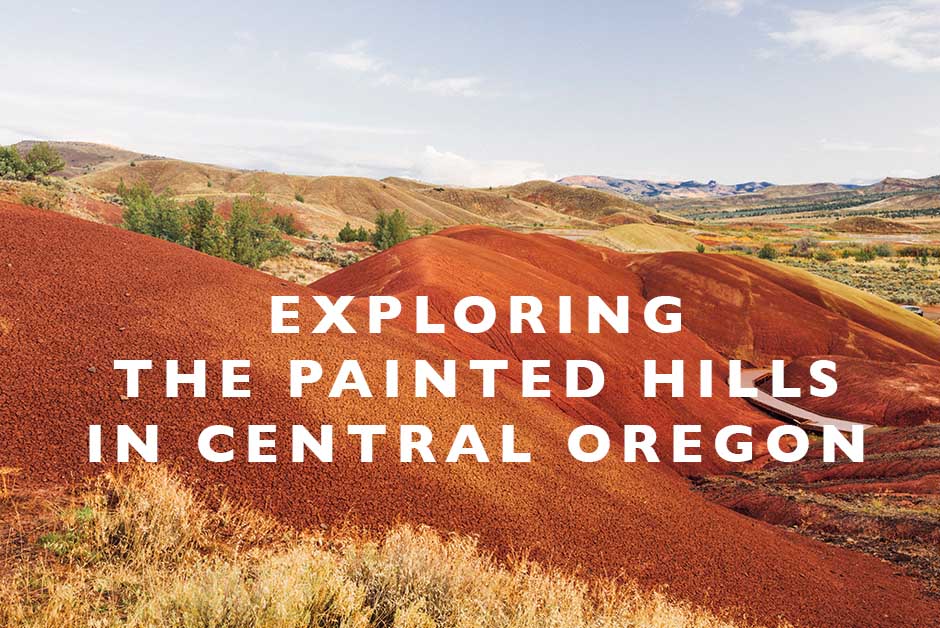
x: 725, y: 90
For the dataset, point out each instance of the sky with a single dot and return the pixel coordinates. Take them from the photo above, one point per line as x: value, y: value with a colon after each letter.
x: 488, y: 93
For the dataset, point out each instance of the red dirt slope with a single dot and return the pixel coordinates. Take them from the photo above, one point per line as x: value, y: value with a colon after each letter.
x: 880, y: 393
x: 782, y: 313
x: 887, y: 506
x: 475, y: 260
x: 106, y: 293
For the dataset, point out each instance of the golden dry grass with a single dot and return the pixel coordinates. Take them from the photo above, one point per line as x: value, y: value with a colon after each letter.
x: 140, y: 549
x: 645, y: 239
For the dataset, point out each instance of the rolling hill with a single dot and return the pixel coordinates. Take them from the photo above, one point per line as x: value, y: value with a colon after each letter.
x: 85, y: 157
x: 324, y: 202
x: 601, y: 207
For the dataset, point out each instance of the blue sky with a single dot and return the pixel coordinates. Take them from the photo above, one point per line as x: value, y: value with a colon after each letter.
x: 488, y: 92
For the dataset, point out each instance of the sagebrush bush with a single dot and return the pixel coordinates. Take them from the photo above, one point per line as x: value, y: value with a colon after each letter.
x: 144, y: 551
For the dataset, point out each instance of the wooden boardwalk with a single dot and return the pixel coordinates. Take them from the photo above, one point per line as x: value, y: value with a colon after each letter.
x: 809, y: 421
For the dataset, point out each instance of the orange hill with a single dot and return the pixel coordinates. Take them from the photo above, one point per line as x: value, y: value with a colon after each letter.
x: 108, y: 293
x: 879, y: 393
x: 759, y: 311
x: 505, y: 264
x: 602, y: 207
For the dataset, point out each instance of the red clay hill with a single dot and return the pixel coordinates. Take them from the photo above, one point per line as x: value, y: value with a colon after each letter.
x: 878, y: 393
x: 759, y: 311
x: 75, y: 295
x: 475, y: 260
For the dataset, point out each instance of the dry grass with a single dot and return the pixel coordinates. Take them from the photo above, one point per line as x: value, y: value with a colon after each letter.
x: 140, y: 549
x: 645, y: 239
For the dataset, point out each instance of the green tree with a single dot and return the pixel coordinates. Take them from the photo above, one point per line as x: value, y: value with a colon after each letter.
x: 157, y: 216
x: 200, y: 213
x: 346, y: 234
x: 215, y: 238
x: 248, y: 238
x: 390, y: 229
x: 252, y: 238
x: 43, y: 159
x: 363, y: 235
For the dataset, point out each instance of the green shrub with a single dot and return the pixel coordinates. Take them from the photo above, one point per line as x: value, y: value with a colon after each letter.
x: 427, y: 228
x: 884, y: 250
x: 322, y: 251
x: 348, y: 234
x: 767, y: 252
x: 390, y: 229
x: 52, y: 201
x: 155, y: 215
x: 13, y: 166
x: 804, y: 246
x: 824, y: 255
x: 700, y: 247
x: 251, y: 236
x: 348, y: 259
x: 298, y: 197
x: 286, y: 223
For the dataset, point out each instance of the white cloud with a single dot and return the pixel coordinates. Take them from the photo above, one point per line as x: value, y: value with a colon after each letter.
x: 459, y: 85
x: 451, y: 168
x: 356, y: 58
x: 728, y: 7
x: 905, y: 35
x: 462, y: 85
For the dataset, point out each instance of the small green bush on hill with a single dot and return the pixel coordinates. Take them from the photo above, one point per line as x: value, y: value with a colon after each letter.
x: 41, y: 160
x: 286, y: 223
x: 348, y: 234
x: 767, y: 252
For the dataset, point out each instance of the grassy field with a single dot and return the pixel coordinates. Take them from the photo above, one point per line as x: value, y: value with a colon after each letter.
x: 880, y: 264
x: 140, y: 549
x: 897, y: 280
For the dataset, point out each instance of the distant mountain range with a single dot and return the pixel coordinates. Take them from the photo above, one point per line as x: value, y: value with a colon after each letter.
x: 645, y: 189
